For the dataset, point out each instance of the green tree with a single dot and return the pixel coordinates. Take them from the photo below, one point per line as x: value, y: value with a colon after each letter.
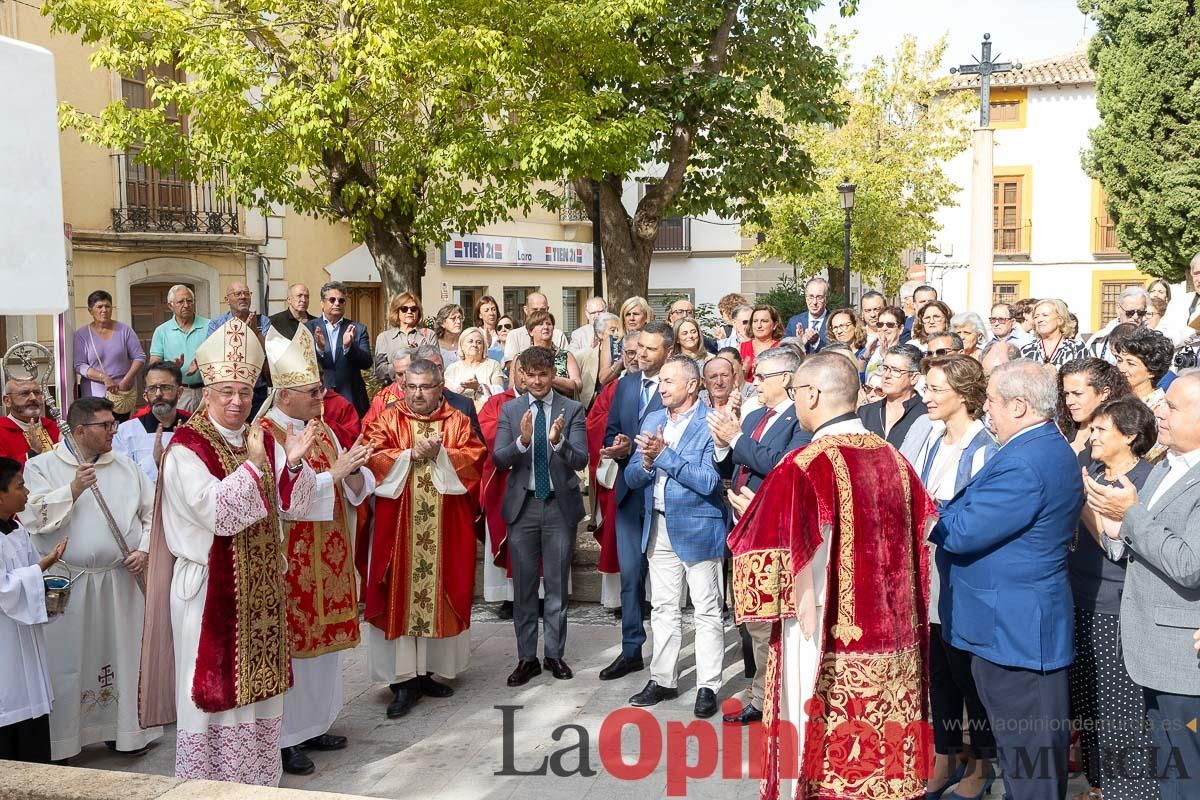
x: 411, y: 121
x: 1146, y: 152
x: 713, y: 146
x: 901, y: 129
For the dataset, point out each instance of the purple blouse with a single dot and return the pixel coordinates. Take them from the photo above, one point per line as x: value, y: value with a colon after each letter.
x: 116, y: 354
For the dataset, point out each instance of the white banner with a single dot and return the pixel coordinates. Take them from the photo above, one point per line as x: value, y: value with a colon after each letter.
x: 508, y: 251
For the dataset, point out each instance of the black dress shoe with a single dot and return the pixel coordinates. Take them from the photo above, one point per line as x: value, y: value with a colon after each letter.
x: 558, y: 668
x: 432, y: 688
x: 295, y: 762
x: 747, y: 715
x: 621, y: 667
x: 706, y: 703
x: 505, y: 611
x: 524, y: 672
x: 403, y: 702
x: 326, y: 741
x: 652, y: 694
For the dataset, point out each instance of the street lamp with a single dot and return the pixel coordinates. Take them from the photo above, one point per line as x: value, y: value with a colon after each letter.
x: 846, y: 199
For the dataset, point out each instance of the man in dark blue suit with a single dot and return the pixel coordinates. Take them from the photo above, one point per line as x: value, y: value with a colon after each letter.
x: 343, y: 350
x: 1006, y: 596
x: 810, y: 325
x: 745, y: 452
x: 635, y: 397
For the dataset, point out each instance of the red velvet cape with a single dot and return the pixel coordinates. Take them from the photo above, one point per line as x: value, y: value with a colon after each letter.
x: 858, y: 494
x: 341, y: 418
x: 606, y: 499
x: 13, y: 443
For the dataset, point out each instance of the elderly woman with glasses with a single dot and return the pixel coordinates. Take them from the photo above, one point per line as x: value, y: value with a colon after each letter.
x: 932, y: 319
x: 973, y: 331
x: 474, y: 374
x: 405, y: 333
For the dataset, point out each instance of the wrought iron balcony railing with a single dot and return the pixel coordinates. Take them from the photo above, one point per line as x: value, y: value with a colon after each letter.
x: 160, y: 201
x: 674, y: 235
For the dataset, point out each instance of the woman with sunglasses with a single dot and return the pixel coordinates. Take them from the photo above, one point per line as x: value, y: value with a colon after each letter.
x: 504, y: 324
x: 957, y: 447
x: 405, y: 333
x: 890, y: 326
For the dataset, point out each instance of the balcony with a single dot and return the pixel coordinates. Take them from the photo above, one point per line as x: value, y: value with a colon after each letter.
x: 674, y: 235
x: 157, y: 201
x: 1104, y: 237
x: 572, y: 210
x: 1012, y: 241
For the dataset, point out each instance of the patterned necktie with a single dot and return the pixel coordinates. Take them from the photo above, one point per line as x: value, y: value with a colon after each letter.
x: 647, y: 385
x: 541, y: 454
x: 744, y: 472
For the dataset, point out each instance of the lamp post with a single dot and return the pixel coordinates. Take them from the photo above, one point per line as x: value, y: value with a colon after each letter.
x: 597, y: 257
x: 846, y: 198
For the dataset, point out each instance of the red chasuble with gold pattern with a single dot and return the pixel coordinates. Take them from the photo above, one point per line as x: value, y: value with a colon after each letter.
x: 867, y: 727
x: 421, y: 573
x: 322, y: 593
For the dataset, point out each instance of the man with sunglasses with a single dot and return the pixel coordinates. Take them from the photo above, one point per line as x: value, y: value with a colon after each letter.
x: 1132, y: 306
x: 1003, y: 322
x: 745, y: 453
x: 343, y: 350
x: 944, y: 344
x: 95, y: 648
x: 145, y: 436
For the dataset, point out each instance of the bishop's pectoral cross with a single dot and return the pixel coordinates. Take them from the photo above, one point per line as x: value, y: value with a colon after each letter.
x: 985, y: 68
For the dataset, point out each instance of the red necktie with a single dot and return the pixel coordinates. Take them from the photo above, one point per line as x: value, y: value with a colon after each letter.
x: 744, y: 472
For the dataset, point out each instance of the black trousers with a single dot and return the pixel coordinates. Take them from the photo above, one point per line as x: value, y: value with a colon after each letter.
x: 1029, y: 712
x: 951, y: 686
x: 27, y: 740
x: 1176, y: 749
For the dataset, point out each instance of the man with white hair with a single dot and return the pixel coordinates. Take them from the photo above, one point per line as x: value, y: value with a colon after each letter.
x: 1132, y: 307
x: 1003, y: 546
x: 584, y: 336
x: 847, y: 501
x: 997, y: 352
x: 177, y: 339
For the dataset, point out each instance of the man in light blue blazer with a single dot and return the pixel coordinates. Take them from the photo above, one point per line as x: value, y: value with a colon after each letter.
x: 1003, y: 544
x: 683, y: 534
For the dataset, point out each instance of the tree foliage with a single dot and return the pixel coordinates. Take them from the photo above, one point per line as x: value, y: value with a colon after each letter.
x: 1146, y: 151
x: 411, y: 120
x: 901, y: 128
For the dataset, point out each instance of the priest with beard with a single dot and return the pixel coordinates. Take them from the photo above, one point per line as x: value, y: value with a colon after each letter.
x: 837, y: 520
x: 25, y: 430
x: 421, y: 569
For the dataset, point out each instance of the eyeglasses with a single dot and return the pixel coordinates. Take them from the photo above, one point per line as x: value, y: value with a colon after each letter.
x: 455, y: 318
x: 409, y: 309
x: 337, y: 301
x: 888, y: 369
x: 998, y: 320
x: 109, y: 426
x: 504, y: 327
x: 315, y: 393
x: 758, y: 376
x: 412, y: 387
x: 889, y: 325
x: 1139, y: 313
x: 943, y: 351
x: 845, y: 326
x: 161, y: 388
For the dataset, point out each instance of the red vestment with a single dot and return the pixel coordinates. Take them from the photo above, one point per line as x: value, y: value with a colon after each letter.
x: 384, y: 399
x: 867, y: 733
x: 495, y: 482
x: 606, y: 499
x: 15, y: 445
x: 421, y: 572
x: 341, y: 417
x: 322, y: 605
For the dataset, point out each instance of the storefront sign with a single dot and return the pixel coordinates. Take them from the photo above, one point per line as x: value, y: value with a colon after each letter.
x: 508, y: 251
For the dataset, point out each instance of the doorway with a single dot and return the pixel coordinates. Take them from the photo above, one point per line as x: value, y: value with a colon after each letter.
x: 147, y: 310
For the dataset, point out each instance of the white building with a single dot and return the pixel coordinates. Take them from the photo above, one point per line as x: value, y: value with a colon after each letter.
x: 1051, y: 235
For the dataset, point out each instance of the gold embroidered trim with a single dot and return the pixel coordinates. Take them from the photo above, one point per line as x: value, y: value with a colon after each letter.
x: 424, y: 540
x: 844, y: 629
x: 763, y: 585
x: 917, y: 594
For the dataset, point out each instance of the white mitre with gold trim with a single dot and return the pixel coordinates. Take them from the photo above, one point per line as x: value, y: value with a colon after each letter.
x: 293, y: 361
x: 232, y: 353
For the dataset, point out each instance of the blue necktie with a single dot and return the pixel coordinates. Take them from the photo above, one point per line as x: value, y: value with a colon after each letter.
x: 541, y: 454
x: 647, y: 385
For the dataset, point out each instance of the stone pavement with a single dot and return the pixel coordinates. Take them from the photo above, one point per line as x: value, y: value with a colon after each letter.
x: 451, y: 749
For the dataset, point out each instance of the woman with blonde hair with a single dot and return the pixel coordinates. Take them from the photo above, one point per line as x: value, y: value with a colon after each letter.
x: 474, y: 374
x: 1054, y: 331
x: 689, y: 341
x: 635, y: 313
x: 405, y: 333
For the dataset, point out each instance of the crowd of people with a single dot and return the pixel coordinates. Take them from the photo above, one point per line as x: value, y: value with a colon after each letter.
x: 1020, y: 508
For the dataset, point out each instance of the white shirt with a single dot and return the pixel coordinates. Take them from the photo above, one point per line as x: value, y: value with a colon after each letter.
x: 136, y: 443
x: 647, y: 393
x: 672, y: 433
x: 330, y: 333
x: 1022, y: 432
x: 1180, y: 464
x: 548, y: 400
x: 781, y: 408
x: 25, y: 692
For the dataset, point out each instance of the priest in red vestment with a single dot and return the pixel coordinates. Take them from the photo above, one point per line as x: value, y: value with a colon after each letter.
x: 604, y: 506
x: 25, y: 431
x: 421, y: 569
x: 497, y: 574
x: 832, y: 552
x: 342, y: 418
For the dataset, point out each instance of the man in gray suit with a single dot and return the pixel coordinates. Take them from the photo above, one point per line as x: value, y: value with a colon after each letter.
x: 541, y: 438
x: 1160, y: 606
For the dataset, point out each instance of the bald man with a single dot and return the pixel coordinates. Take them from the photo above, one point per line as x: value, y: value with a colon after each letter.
x: 518, y: 338
x: 239, y: 299
x: 296, y: 313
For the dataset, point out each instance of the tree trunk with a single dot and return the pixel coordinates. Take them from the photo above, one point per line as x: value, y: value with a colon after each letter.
x: 627, y: 242
x: 400, y: 260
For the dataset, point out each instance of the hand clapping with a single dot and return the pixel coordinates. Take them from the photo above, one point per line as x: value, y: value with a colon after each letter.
x: 556, y: 429
x: 621, y: 447
x: 651, y: 445
x: 724, y: 427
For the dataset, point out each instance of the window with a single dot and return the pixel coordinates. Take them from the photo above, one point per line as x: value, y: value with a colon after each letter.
x: 467, y: 297
x: 1005, y: 111
x: 574, y: 302
x: 145, y: 186
x: 673, y: 235
x: 1104, y: 231
x: 1007, y: 106
x: 1110, y: 294
x: 1010, y: 231
x: 514, y: 301
x: 660, y: 300
x: 1006, y: 293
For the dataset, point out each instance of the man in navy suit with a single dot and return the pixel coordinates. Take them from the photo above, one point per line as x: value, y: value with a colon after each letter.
x: 1002, y: 550
x: 810, y: 325
x: 745, y: 453
x: 342, y: 347
x: 635, y: 397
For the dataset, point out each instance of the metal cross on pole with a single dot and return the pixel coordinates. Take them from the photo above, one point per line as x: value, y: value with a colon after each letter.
x: 985, y: 68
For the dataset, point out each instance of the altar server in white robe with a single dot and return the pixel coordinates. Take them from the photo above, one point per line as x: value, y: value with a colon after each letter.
x: 321, y: 580
x: 95, y: 649
x: 216, y: 592
x: 25, y: 692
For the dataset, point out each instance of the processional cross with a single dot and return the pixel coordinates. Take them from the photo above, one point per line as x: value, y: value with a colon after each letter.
x: 985, y: 68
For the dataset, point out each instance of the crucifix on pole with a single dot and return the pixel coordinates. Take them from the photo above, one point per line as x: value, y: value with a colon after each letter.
x: 985, y: 68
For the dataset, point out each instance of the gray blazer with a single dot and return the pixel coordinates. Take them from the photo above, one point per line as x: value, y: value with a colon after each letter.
x: 570, y: 457
x: 1160, y: 606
